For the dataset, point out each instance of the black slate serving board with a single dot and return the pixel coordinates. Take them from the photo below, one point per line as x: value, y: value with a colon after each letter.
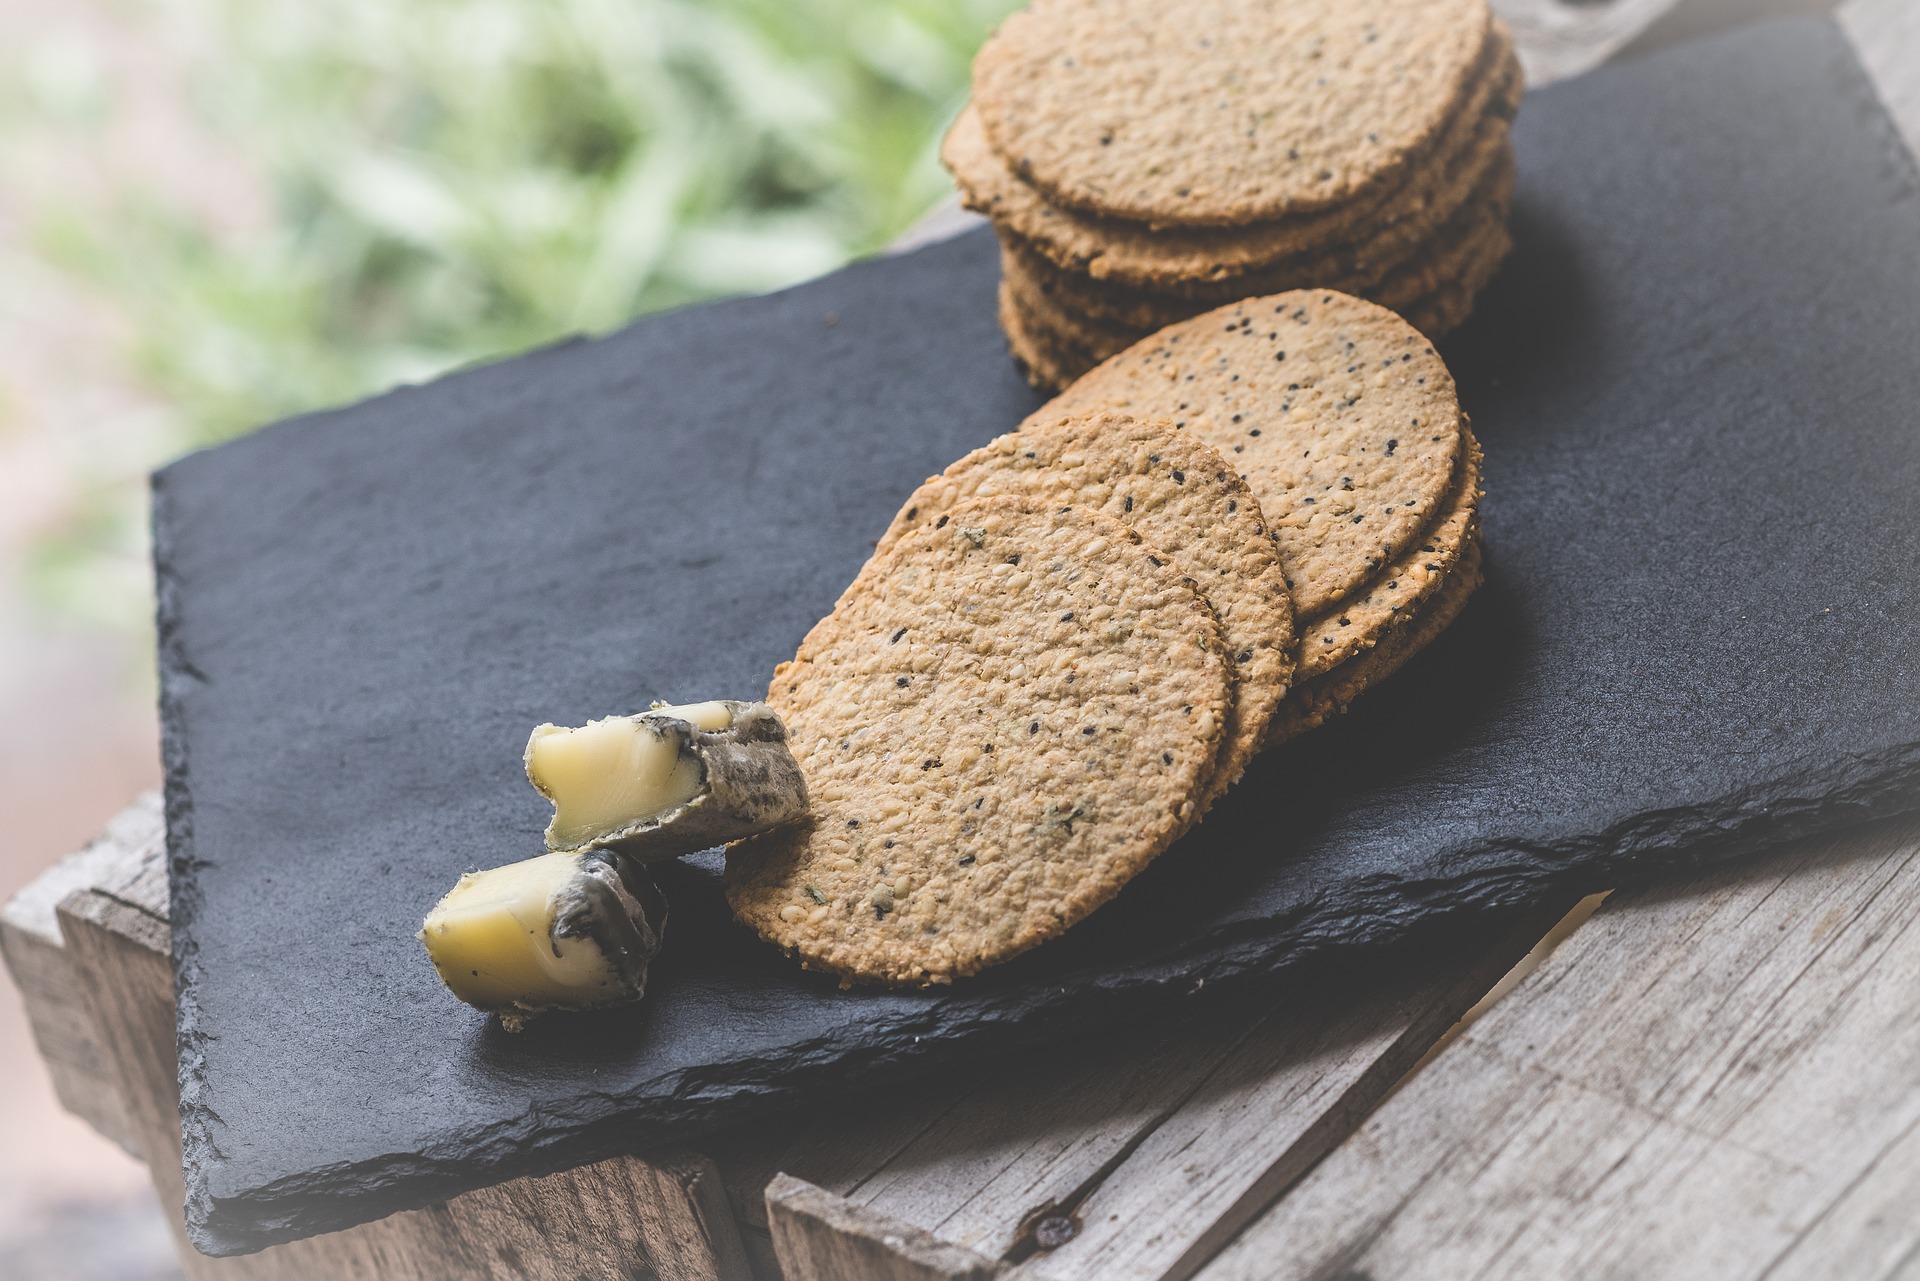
x: 1698, y: 389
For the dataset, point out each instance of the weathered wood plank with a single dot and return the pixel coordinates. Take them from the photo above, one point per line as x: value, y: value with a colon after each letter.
x: 666, y: 1217
x: 30, y: 941
x: 1137, y: 1157
x: 822, y: 1237
x: 1294, y: 1089
x: 1723, y: 1111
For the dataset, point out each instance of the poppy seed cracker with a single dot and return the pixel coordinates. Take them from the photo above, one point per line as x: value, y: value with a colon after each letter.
x: 1317, y: 701
x: 1396, y: 273
x: 1181, y: 497
x: 1337, y: 413
x: 1080, y: 311
x: 1404, y: 586
x: 1005, y: 718
x: 1221, y: 112
x: 1046, y: 360
x: 1203, y: 262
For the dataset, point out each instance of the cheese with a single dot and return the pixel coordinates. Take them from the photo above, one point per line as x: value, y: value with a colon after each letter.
x: 561, y: 931
x: 668, y: 781
x: 713, y: 715
x: 609, y: 774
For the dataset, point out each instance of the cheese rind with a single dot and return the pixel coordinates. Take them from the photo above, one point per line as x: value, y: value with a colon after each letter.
x: 667, y: 782
x: 559, y: 932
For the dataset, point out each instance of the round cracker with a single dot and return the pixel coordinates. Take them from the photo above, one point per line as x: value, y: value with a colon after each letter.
x: 1450, y: 306
x: 1319, y: 700
x: 1404, y: 586
x: 1004, y: 719
x: 1104, y: 322
x: 1221, y: 112
x: 1183, y: 498
x: 1044, y: 360
x: 1338, y: 414
x: 1349, y: 269
x: 1201, y: 262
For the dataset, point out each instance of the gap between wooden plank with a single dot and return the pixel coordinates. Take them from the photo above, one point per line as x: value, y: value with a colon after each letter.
x: 1713, y: 1079
x: 1101, y: 1145
x: 1535, y: 957
x: 1302, y: 1081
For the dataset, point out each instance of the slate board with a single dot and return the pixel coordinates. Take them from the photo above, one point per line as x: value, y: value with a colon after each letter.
x: 1697, y: 387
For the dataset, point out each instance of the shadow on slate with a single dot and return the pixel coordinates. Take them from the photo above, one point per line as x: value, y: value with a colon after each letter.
x: 1697, y: 389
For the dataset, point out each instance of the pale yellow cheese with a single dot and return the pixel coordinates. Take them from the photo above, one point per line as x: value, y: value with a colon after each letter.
x: 712, y: 716
x: 612, y: 773
x: 491, y: 939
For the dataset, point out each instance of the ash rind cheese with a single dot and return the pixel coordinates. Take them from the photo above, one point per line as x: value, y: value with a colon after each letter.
x: 563, y: 931
x: 724, y: 772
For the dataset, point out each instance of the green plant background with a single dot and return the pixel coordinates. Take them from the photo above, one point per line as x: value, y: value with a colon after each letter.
x: 457, y: 179
x: 454, y: 180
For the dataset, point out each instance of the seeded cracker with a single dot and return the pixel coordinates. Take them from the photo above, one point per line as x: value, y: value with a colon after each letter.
x: 1045, y: 360
x: 1182, y: 498
x: 1338, y: 414
x: 1081, y: 312
x: 1204, y: 261
x: 1220, y: 112
x: 1359, y: 622
x: 1347, y: 268
x: 1316, y: 701
x: 1003, y: 720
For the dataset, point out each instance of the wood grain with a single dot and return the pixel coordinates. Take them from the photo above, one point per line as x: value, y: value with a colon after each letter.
x: 1712, y: 1079
x: 1299, y: 1084
x: 1139, y: 1156
x: 666, y: 1217
x: 30, y: 940
x: 821, y: 1237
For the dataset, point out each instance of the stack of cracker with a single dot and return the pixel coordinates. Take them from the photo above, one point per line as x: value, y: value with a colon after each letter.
x: 1345, y: 424
x: 1144, y: 161
x: 1071, y: 642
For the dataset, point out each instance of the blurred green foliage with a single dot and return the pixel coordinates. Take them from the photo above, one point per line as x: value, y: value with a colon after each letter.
x: 452, y: 180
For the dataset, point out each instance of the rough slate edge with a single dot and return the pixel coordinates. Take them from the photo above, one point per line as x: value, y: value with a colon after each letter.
x: 1740, y: 824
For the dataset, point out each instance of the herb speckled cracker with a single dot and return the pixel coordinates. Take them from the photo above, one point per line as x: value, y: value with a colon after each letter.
x: 1203, y: 261
x: 1045, y: 359
x: 1359, y: 622
x: 1105, y: 322
x: 1316, y: 701
x: 1218, y: 112
x: 1339, y: 415
x: 1180, y: 496
x: 1003, y: 720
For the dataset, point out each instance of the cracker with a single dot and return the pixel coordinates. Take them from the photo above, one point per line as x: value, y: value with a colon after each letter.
x: 1183, y: 498
x: 1003, y: 720
x: 1103, y: 322
x: 1338, y: 414
x: 1450, y: 307
x: 1044, y: 360
x: 1350, y: 270
x: 1190, y: 260
x: 1360, y: 621
x: 1208, y: 113
x: 1319, y: 700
